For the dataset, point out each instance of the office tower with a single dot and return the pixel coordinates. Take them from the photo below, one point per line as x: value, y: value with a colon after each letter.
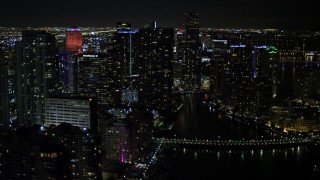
x: 122, y: 68
x: 237, y: 85
x: 261, y: 73
x: 192, y: 26
x: 11, y: 91
x: 4, y: 94
x: 36, y: 75
x: 78, y: 111
x: 155, y: 58
x: 178, y: 50
x: 68, y: 72
x: 247, y: 82
x: 74, y: 40
x: 206, y: 55
x: 220, y: 50
x: 274, y: 63
x: 7, y: 71
x: 192, y: 60
x: 92, y: 77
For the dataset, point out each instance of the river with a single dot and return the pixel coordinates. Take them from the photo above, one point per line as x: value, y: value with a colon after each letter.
x: 196, y: 121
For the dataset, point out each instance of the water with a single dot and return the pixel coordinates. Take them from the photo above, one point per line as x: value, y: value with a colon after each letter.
x: 195, y: 121
x: 252, y: 164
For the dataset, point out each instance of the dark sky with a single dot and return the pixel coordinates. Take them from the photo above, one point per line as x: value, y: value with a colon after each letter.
x: 168, y: 13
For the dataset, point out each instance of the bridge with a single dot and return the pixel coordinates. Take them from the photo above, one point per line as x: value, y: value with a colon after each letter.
x: 238, y: 143
x: 190, y: 92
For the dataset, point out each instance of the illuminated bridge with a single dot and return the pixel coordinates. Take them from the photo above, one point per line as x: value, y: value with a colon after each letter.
x: 190, y: 92
x: 237, y: 143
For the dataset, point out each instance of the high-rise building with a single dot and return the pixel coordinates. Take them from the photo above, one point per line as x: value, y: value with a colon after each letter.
x: 192, y: 46
x: 7, y: 51
x: 178, y: 50
x: 74, y: 40
x: 155, y: 59
x: 246, y: 86
x: 68, y: 72
x: 143, y: 130
x: 261, y: 73
x: 220, y: 50
x: 122, y: 67
x: 36, y: 75
x: 192, y: 26
x: 80, y: 112
x: 237, y: 74
x: 92, y: 77
x: 119, y: 135
x: 4, y: 94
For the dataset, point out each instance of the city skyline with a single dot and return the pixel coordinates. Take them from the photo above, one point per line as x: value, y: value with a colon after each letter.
x: 146, y: 101
x: 214, y: 14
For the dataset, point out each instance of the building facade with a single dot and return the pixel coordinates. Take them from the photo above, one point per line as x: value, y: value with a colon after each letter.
x: 36, y: 75
x: 80, y: 112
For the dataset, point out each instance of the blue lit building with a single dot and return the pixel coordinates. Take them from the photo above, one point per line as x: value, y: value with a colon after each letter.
x: 68, y: 72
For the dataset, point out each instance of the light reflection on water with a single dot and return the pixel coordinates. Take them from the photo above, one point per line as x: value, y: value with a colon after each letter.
x: 267, y: 163
x: 210, y: 163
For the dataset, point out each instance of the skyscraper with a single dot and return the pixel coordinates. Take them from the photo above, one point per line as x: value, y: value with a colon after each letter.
x: 74, y: 40
x: 91, y: 74
x: 4, y: 95
x: 192, y: 60
x: 119, y: 137
x: 155, y: 59
x: 219, y: 54
x: 68, y: 72
x: 36, y: 73
x: 121, y: 63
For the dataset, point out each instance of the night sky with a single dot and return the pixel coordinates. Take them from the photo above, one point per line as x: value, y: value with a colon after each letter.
x: 168, y: 13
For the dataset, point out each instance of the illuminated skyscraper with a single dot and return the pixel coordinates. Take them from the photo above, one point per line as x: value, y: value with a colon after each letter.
x: 273, y: 64
x: 74, y: 40
x: 192, y: 26
x: 68, y: 72
x: 155, y: 58
x: 237, y: 75
x: 192, y: 60
x: 245, y: 84
x: 37, y: 75
x: 261, y: 73
x: 220, y: 49
x: 178, y: 51
x: 122, y: 68
x: 92, y: 76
